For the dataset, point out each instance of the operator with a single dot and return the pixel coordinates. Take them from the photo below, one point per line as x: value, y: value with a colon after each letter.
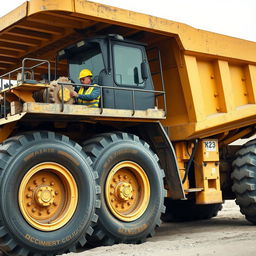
x: 89, y: 96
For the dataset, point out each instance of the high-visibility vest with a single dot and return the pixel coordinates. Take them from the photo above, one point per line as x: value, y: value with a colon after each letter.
x: 89, y: 103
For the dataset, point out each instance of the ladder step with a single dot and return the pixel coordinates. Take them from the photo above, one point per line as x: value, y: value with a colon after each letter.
x: 191, y: 190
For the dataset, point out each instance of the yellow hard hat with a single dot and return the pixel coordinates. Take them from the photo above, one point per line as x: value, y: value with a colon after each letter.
x: 85, y: 73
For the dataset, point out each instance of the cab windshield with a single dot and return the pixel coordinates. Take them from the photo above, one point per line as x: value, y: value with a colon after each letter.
x: 89, y: 57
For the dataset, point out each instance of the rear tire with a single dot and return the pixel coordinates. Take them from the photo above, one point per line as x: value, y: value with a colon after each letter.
x: 244, y: 180
x: 187, y: 210
x: 125, y: 164
x: 47, y: 195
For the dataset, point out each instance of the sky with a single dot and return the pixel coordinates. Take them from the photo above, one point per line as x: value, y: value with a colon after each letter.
x: 235, y: 18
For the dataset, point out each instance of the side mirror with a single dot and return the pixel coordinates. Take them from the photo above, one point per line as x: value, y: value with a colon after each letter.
x: 144, y: 71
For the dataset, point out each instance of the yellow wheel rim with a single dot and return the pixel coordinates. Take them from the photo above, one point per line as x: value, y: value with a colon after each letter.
x: 48, y: 196
x: 127, y: 191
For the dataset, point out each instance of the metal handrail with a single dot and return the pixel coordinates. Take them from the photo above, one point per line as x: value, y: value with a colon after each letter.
x: 133, y: 90
x: 23, y: 68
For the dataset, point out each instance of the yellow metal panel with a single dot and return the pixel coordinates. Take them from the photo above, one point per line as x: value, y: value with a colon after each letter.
x: 208, y: 87
x: 224, y: 86
x: 13, y: 16
x: 50, y: 5
x: 192, y: 40
x: 6, y: 130
x: 238, y: 85
x: 193, y: 90
x: 177, y: 110
x: 250, y: 78
x: 219, y: 123
x: 207, y: 172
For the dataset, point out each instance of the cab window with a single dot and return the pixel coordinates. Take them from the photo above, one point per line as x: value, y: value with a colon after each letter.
x: 127, y: 65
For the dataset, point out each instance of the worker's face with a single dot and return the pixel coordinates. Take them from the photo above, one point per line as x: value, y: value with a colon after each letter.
x: 86, y: 80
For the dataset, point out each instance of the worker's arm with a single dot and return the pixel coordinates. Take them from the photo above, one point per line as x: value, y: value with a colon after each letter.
x: 92, y: 94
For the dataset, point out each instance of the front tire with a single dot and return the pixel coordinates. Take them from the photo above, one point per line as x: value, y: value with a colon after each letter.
x: 48, y: 195
x: 132, y: 188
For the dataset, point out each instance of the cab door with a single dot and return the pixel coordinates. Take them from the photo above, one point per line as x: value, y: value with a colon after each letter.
x: 127, y: 62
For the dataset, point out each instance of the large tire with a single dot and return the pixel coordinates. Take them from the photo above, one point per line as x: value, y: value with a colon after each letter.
x: 187, y: 210
x: 244, y: 180
x: 119, y: 157
x: 47, y: 195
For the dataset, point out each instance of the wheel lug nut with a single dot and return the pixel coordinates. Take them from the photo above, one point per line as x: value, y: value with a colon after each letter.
x: 28, y: 204
x: 28, y: 196
x: 30, y: 188
x: 112, y: 186
x: 112, y: 200
x: 128, y: 203
x: 56, y: 193
x: 114, y: 179
x: 52, y: 183
x: 35, y: 182
x: 116, y: 205
x: 119, y: 176
x: 34, y: 209
x: 54, y: 203
x: 48, y: 211
x: 44, y: 179
x: 39, y: 213
x: 125, y: 176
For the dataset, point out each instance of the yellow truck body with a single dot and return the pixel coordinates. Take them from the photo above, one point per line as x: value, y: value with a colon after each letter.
x: 210, y: 78
x: 119, y: 161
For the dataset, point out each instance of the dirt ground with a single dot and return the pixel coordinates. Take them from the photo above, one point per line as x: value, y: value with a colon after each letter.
x: 228, y: 234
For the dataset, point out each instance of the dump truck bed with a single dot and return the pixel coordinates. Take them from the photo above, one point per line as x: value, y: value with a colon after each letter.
x: 210, y: 79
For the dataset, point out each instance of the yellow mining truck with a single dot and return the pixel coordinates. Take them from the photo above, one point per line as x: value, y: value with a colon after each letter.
x: 172, y: 100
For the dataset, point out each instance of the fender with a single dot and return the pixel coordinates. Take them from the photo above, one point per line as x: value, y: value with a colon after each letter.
x: 158, y: 139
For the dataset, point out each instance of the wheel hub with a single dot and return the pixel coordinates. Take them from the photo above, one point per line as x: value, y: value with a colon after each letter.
x: 127, y: 191
x: 48, y: 196
x: 124, y: 191
x: 44, y: 196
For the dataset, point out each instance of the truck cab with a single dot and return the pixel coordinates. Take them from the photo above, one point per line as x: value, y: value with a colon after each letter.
x: 117, y: 63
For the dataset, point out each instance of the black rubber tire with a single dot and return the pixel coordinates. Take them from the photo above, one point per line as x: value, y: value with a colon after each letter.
x: 187, y: 210
x: 106, y: 150
x: 18, y: 155
x: 244, y: 180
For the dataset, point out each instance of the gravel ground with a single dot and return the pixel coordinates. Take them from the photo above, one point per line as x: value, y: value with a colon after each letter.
x: 227, y: 234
